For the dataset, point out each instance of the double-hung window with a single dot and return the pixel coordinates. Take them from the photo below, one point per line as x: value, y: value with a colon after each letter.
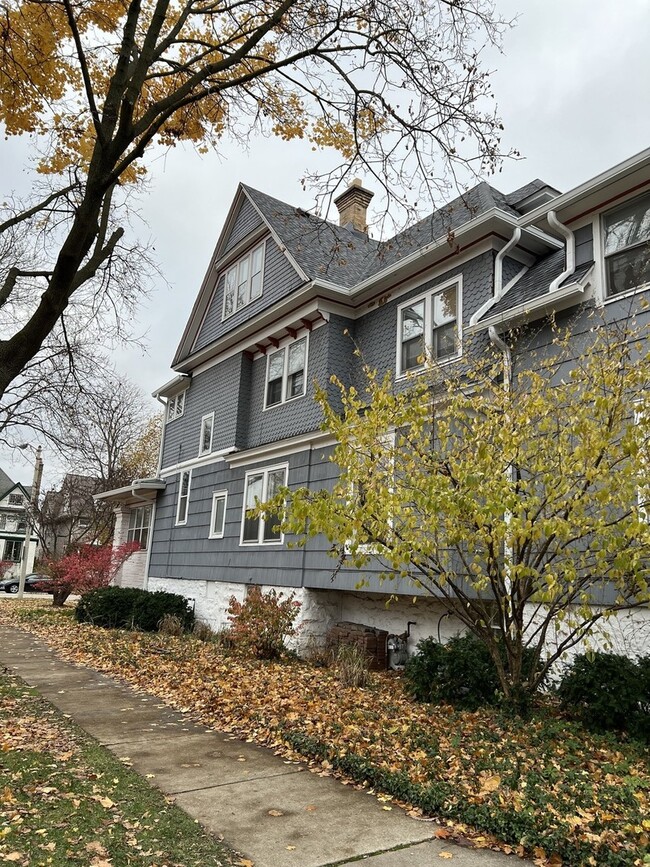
x: 139, y: 524
x: 627, y: 246
x: 261, y: 486
x: 243, y: 281
x: 286, y: 373
x: 207, y: 429
x: 175, y: 406
x: 13, y: 550
x: 428, y: 326
x: 218, y: 516
x: 183, y: 496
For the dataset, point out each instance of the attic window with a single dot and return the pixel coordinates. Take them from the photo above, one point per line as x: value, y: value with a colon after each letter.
x: 243, y: 282
x: 15, y: 499
x: 627, y: 246
x: 176, y: 406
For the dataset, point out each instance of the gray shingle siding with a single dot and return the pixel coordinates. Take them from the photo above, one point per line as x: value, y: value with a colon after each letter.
x: 246, y: 222
x: 215, y: 390
x: 280, y: 280
x: 294, y: 417
x: 376, y: 332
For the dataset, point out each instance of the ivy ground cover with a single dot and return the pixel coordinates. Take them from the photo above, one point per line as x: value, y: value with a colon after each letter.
x: 542, y: 786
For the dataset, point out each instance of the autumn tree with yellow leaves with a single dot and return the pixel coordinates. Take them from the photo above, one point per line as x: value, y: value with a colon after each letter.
x: 394, y: 87
x: 522, y: 509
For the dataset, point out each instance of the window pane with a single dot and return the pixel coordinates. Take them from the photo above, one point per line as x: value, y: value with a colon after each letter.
x: 242, y: 282
x: 412, y: 335
x: 276, y: 480
x: 274, y: 392
x: 444, y: 306
x: 444, y: 341
x: 297, y: 356
x: 144, y: 537
x: 180, y: 404
x: 629, y: 225
x: 272, y: 528
x: 251, y: 529
x: 256, y: 285
x: 206, y: 435
x: 219, y: 515
x: 276, y: 365
x: 296, y: 384
x: 229, y: 292
x: 254, y: 488
x: 185, y: 483
x: 629, y: 269
x: 133, y: 519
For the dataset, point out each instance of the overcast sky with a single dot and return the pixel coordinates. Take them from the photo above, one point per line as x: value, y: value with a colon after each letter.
x: 572, y: 86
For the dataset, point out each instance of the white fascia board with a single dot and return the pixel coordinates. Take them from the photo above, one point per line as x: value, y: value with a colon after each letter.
x: 173, y: 387
x: 276, y: 238
x: 281, y: 449
x: 570, y: 292
x: 193, y: 463
x: 617, y: 172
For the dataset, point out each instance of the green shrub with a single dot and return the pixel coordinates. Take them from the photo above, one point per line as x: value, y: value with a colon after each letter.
x: 608, y: 692
x: 460, y: 672
x: 422, y: 669
x: 262, y: 621
x: 131, y: 608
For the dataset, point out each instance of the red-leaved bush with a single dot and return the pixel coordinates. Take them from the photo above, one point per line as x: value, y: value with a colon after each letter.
x: 87, y: 568
x: 262, y: 621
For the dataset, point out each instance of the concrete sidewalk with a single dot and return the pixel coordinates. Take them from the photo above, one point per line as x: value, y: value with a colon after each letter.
x: 275, y: 812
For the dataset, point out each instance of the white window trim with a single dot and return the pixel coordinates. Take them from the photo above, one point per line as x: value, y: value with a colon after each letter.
x: 260, y: 533
x: 284, y: 347
x: 248, y: 255
x: 216, y: 496
x: 605, y: 297
x: 180, y: 523
x: 426, y: 297
x: 173, y: 403
x: 140, y: 527
x: 208, y: 417
x: 387, y: 440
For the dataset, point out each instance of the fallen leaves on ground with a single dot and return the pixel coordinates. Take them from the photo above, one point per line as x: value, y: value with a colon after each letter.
x: 539, y: 782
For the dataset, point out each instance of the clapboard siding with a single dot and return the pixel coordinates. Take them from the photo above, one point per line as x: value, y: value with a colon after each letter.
x: 247, y: 221
x: 215, y: 390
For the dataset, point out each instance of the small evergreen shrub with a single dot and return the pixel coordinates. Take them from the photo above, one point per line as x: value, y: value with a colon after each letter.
x: 131, y: 608
x: 460, y: 672
x: 262, y: 621
x: 422, y: 669
x: 608, y: 692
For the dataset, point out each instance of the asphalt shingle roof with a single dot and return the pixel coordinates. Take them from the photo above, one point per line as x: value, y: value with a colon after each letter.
x: 5, y: 483
x: 345, y: 256
x: 535, y: 282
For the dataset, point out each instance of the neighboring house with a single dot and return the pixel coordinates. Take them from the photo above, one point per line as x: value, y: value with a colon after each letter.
x: 14, y: 499
x: 283, y: 297
x: 69, y: 516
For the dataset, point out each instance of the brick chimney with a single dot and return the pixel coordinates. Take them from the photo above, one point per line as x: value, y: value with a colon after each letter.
x: 352, y: 206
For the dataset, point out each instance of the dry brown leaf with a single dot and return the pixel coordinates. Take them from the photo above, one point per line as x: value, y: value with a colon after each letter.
x: 276, y: 813
x: 445, y: 855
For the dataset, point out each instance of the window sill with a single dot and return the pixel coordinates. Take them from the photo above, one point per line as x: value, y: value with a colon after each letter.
x: 409, y: 374
x: 284, y: 402
x: 260, y: 544
x: 609, y: 299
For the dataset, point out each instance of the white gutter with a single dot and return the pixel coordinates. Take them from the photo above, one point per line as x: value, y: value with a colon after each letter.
x: 612, y: 174
x: 570, y: 239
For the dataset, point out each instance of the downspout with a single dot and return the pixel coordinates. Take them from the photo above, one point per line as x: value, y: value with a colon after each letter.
x: 500, y: 344
x: 155, y: 502
x: 570, y: 239
x: 498, y: 263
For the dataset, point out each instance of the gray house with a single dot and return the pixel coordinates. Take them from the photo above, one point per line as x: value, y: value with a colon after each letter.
x: 283, y: 297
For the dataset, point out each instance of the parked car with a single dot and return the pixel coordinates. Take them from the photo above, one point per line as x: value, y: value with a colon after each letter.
x: 34, y: 583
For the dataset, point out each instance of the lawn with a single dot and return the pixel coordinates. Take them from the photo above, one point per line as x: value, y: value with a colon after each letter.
x: 64, y: 800
x: 541, y: 786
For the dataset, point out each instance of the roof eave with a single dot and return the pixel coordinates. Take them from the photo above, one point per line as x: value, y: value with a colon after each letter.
x: 566, y: 295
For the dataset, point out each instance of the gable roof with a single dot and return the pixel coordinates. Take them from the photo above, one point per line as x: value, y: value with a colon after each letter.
x: 325, y: 252
x: 5, y: 483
